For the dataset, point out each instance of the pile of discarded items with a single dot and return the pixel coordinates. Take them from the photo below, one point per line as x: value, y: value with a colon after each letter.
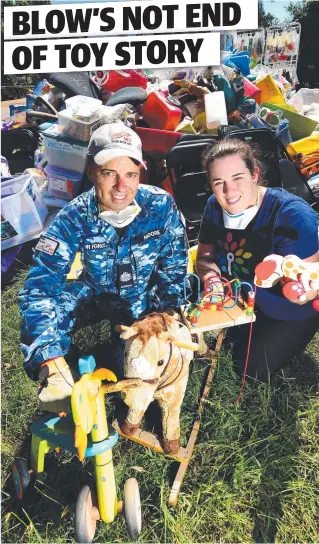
x: 45, y: 141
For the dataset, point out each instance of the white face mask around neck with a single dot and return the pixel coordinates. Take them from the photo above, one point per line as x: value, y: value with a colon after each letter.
x: 241, y: 220
x: 122, y: 218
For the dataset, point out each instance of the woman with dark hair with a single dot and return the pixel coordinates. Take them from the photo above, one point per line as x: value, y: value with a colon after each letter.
x: 243, y: 223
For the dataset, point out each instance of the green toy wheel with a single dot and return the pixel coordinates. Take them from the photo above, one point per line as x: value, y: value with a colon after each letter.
x: 21, y: 477
x: 132, y: 508
x: 86, y: 515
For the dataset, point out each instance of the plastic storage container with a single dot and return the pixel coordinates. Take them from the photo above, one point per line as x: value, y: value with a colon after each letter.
x: 159, y: 113
x: 79, y: 101
x: 215, y: 108
x: 64, y: 152
x: 23, y: 211
x: 303, y: 99
x: 79, y: 123
x: 240, y: 60
x: 63, y: 183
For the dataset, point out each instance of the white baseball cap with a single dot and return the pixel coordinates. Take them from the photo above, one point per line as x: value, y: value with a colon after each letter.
x: 115, y: 140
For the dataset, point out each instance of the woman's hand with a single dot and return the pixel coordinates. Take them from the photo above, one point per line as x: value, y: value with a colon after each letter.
x: 300, y: 292
x: 214, y: 272
x: 205, y: 265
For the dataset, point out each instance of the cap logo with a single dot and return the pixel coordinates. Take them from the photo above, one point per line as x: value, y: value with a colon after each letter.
x: 122, y: 137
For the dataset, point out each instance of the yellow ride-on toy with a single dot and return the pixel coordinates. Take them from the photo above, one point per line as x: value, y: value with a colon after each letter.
x: 71, y: 433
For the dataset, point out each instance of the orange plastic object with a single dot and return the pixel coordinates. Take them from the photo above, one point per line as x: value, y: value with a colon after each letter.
x: 104, y: 374
x: 159, y: 113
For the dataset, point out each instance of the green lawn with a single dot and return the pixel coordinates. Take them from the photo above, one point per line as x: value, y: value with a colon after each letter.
x: 253, y: 477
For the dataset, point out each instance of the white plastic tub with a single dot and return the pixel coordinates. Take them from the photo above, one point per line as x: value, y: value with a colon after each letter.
x: 63, y: 183
x: 23, y: 211
x: 215, y: 108
x: 303, y: 100
x: 80, y: 100
x: 64, y: 152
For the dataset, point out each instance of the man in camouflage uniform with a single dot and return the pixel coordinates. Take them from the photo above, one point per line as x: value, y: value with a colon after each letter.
x: 134, y: 256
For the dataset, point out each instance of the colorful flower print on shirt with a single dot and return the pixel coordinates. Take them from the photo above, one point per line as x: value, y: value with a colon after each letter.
x: 232, y: 256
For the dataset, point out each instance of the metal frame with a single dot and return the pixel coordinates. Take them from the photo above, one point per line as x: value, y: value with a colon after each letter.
x: 251, y: 34
x: 281, y: 65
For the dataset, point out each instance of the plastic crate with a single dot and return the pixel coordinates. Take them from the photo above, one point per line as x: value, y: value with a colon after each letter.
x: 23, y: 211
x: 63, y: 151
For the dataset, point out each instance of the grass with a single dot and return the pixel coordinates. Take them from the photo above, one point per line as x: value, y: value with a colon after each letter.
x: 253, y: 476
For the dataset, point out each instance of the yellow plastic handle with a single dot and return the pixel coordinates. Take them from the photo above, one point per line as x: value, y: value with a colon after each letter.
x: 83, y: 405
x: 104, y: 374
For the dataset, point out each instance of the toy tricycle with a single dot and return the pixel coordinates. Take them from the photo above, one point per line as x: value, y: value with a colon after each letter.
x: 70, y: 432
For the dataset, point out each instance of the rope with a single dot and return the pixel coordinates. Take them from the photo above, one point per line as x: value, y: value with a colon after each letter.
x: 247, y: 356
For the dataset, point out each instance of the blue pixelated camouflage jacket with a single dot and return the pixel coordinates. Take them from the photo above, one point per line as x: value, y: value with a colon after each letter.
x: 150, y: 257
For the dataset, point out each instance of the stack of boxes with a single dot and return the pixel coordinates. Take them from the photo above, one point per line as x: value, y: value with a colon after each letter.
x: 66, y: 144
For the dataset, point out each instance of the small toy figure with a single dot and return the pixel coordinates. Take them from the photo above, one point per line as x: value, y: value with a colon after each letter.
x: 298, y: 276
x: 190, y: 88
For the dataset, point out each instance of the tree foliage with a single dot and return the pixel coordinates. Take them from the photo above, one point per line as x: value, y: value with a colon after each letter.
x: 265, y: 19
x: 307, y: 14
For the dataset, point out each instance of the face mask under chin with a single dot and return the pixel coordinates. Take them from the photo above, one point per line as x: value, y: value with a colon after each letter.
x: 122, y: 218
x: 241, y: 220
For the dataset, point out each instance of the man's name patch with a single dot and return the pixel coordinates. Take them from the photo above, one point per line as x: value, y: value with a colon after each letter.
x: 47, y: 245
x: 140, y: 238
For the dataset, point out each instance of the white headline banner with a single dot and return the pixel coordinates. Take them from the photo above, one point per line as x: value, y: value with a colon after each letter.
x: 156, y: 51
x: 122, y: 18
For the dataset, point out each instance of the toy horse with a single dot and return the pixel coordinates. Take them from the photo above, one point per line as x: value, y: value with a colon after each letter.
x: 158, y: 350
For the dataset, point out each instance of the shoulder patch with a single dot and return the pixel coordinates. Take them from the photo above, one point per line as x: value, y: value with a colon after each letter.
x: 47, y: 245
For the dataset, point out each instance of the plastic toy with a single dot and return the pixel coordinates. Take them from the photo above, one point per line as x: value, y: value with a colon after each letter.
x: 190, y: 88
x: 218, y: 295
x: 248, y: 107
x: 70, y: 432
x: 307, y: 165
x: 113, y: 80
x: 237, y: 118
x: 291, y: 270
x: 271, y: 118
x: 159, y: 112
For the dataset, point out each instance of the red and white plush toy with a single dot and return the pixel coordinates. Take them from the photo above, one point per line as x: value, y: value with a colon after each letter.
x: 298, y: 276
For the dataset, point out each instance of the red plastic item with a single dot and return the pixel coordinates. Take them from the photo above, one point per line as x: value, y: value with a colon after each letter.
x: 159, y: 113
x: 113, y: 80
x: 157, y: 143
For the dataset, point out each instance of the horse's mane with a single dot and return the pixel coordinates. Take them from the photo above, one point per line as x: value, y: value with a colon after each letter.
x: 152, y: 325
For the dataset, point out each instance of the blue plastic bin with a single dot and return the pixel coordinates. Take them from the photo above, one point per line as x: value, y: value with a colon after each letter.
x: 63, y: 183
x: 284, y: 133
